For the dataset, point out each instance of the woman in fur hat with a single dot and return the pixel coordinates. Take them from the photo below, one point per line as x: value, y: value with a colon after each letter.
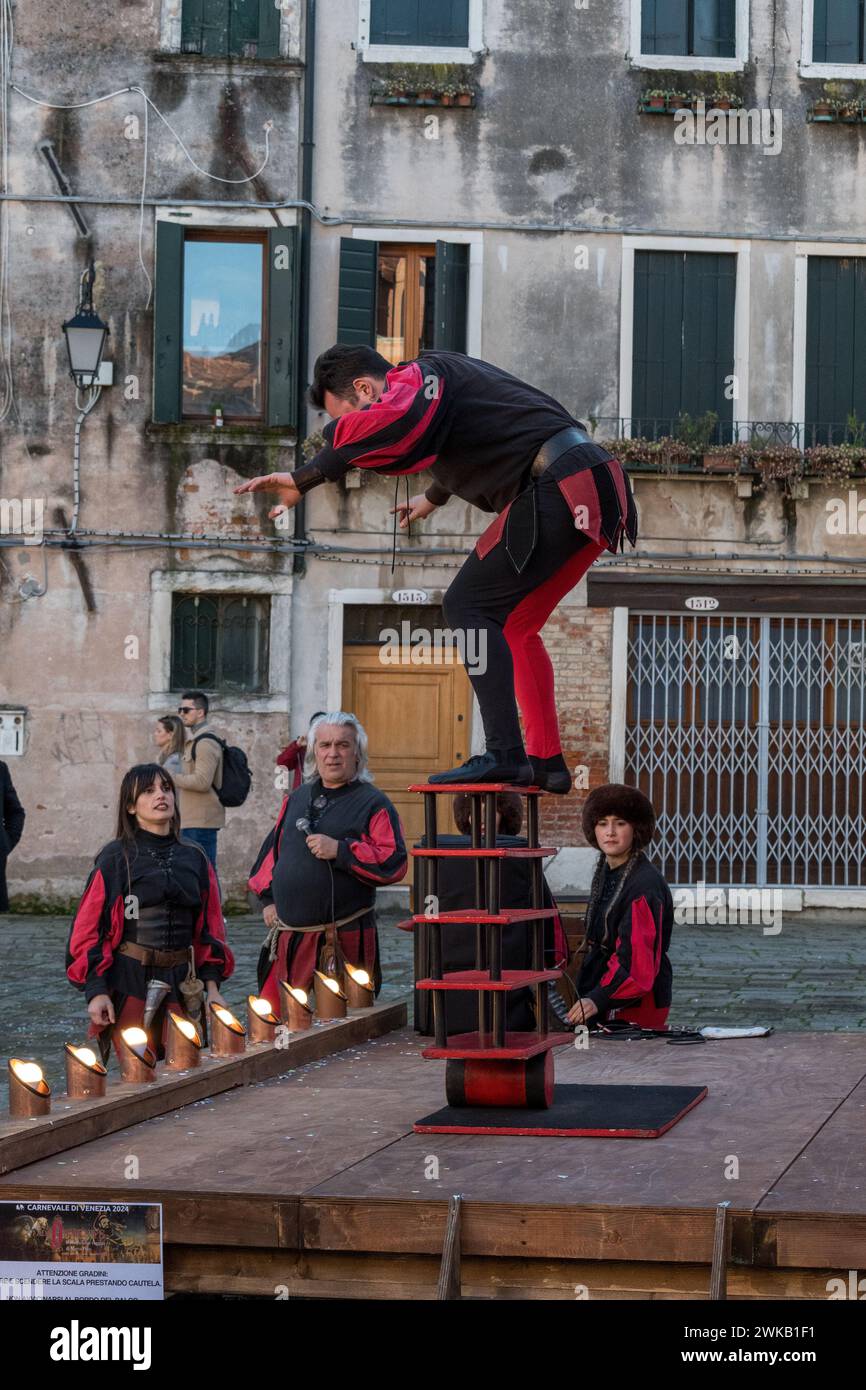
x: 626, y: 971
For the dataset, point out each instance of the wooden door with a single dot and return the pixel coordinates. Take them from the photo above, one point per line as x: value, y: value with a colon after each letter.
x: 418, y: 722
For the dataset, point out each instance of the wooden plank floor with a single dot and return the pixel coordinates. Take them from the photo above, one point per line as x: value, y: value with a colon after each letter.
x: 313, y: 1178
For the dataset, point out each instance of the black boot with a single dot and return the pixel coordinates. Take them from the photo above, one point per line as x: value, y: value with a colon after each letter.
x: 551, y: 774
x: 506, y: 765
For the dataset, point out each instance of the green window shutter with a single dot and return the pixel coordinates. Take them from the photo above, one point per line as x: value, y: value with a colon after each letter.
x: 282, y: 325
x: 191, y: 21
x: 709, y: 292
x: 168, y: 323
x: 243, y: 28
x: 657, y: 333
x: 356, y: 309
x: 430, y: 23
x: 269, y: 29
x: 208, y: 26
x: 665, y: 26
x: 715, y: 24
x: 683, y: 337
x: 835, y: 344
x: 837, y: 31
x: 452, y: 283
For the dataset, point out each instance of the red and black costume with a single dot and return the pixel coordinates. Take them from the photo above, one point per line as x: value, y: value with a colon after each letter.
x: 506, y: 447
x: 160, y: 896
x: 309, y: 892
x: 626, y: 970
x: 292, y: 758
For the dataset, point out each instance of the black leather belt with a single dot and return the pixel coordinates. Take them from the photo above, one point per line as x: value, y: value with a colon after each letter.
x: 555, y: 447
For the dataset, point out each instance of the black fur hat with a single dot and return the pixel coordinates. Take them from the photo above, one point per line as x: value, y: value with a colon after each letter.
x: 626, y: 802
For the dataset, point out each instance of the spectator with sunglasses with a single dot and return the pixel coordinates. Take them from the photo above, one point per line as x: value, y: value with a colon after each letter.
x: 201, y: 811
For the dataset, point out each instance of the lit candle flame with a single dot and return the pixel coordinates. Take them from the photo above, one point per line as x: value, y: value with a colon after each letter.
x: 332, y: 984
x: 85, y: 1055
x: 134, y: 1037
x: 299, y: 994
x: 28, y: 1072
x: 227, y: 1018
x: 361, y: 977
x: 186, y: 1027
x: 260, y: 1006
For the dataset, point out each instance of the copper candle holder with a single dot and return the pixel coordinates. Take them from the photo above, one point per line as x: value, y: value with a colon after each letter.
x: 262, y: 1022
x: 330, y: 1000
x: 85, y: 1074
x: 182, y: 1043
x: 228, y: 1037
x: 358, y: 987
x: 137, y: 1057
x: 29, y: 1092
x: 297, y: 1008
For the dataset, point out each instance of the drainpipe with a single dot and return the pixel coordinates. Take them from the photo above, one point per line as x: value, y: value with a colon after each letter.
x: 299, y: 564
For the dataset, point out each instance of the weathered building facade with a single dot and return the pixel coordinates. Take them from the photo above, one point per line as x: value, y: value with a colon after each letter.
x: 539, y: 185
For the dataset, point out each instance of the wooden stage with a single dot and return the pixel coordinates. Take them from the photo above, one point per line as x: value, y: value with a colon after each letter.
x: 314, y: 1182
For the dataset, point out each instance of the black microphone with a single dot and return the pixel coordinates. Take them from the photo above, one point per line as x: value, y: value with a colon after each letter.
x: 303, y: 825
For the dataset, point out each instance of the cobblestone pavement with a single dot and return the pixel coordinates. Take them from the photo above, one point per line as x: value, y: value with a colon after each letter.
x: 811, y: 977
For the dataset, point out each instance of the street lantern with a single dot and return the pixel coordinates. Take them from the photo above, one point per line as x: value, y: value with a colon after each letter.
x: 85, y: 336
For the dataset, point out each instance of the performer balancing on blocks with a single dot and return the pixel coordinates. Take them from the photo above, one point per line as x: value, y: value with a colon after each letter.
x: 506, y: 447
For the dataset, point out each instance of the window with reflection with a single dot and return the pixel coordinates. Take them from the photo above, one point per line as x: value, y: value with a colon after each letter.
x: 223, y: 313
x: 405, y: 301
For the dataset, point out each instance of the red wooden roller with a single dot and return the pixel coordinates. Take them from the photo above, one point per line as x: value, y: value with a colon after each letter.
x: 525, y: 1084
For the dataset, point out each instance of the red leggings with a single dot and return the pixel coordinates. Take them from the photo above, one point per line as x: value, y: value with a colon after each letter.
x: 504, y: 612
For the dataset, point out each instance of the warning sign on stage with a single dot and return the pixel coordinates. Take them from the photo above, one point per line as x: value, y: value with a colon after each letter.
x: 81, y: 1250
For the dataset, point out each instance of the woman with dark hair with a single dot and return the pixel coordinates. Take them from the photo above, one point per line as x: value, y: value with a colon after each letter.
x: 626, y: 971
x: 150, y: 904
x: 170, y: 737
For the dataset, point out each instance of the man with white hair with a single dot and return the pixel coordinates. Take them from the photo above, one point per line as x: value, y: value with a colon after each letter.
x: 336, y: 840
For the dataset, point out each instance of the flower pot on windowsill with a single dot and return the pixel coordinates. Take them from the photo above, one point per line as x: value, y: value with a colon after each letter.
x: 722, y: 463
x: 464, y: 99
x: 823, y: 111
x: 656, y: 103
x: 851, y: 115
x: 428, y: 95
x: 447, y: 99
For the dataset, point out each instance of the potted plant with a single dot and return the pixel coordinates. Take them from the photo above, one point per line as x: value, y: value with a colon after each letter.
x: 851, y: 111
x: 826, y: 106
x: 465, y: 96
x: 400, y: 86
x: 656, y: 99
x: 779, y: 463
x: 447, y: 93
x: 681, y: 101
x: 722, y: 458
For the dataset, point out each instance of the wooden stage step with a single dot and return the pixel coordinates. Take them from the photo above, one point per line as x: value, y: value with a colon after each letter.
x: 475, y: 788
x: 518, y: 1046
x: 471, y: 917
x: 505, y: 852
x: 475, y: 980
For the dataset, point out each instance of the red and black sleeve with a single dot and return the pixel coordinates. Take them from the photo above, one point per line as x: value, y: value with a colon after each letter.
x: 213, y: 959
x: 262, y: 872
x: 632, y: 969
x: 379, y: 855
x: 396, y: 434
x: 96, y: 929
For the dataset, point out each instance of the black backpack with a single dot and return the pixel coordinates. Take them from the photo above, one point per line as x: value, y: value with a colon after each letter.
x: 237, y: 778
